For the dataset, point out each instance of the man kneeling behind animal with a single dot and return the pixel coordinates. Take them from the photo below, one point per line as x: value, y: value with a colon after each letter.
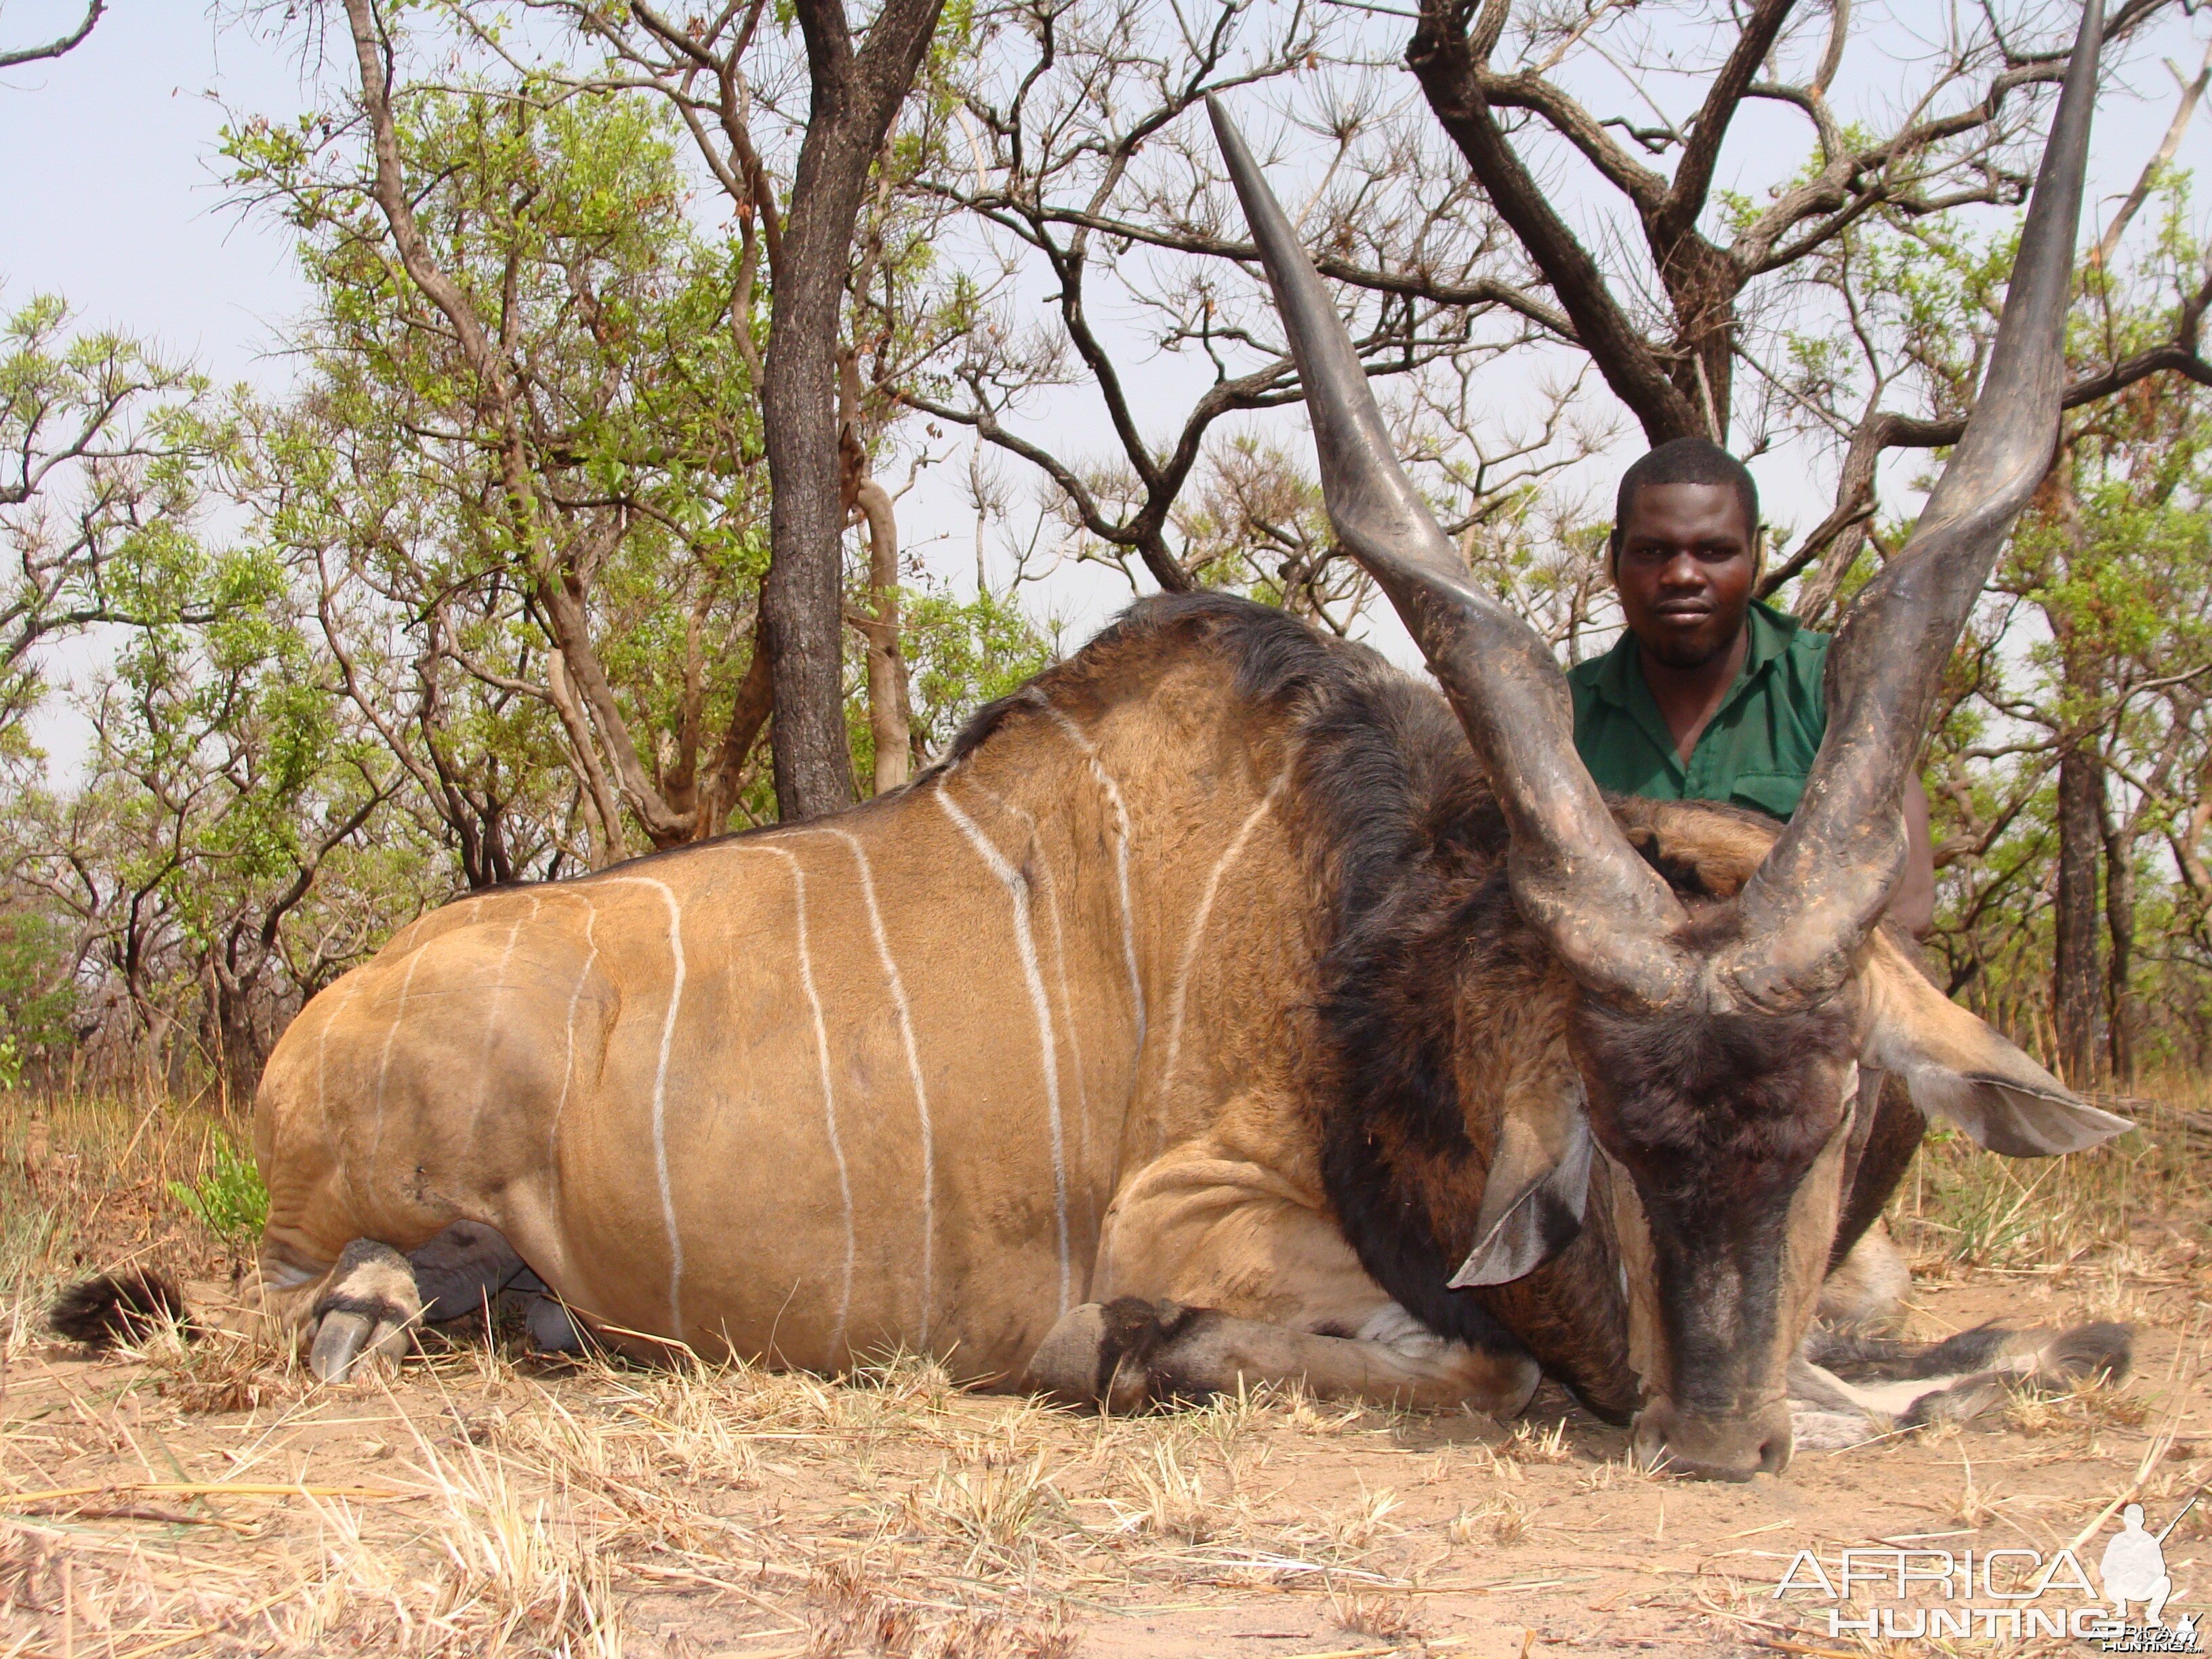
x: 1710, y: 694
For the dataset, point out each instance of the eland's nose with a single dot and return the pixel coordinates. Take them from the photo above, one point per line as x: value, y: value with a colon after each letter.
x: 1729, y: 1446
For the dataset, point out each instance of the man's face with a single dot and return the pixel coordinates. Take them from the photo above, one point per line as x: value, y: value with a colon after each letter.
x: 1685, y: 570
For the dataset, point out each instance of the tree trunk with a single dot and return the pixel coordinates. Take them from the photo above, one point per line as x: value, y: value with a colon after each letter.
x: 1702, y: 284
x: 242, y: 1054
x: 887, y: 717
x: 1448, y: 63
x: 601, y: 809
x: 2120, y: 1011
x: 2075, y: 989
x: 889, y: 728
x: 854, y: 97
x: 802, y: 599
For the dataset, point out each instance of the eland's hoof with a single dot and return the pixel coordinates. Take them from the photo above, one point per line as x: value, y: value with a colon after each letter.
x: 366, y: 1312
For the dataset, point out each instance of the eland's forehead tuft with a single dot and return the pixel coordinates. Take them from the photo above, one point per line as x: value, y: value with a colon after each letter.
x: 1748, y: 1088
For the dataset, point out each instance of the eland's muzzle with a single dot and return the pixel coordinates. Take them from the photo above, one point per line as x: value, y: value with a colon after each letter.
x: 1709, y: 1447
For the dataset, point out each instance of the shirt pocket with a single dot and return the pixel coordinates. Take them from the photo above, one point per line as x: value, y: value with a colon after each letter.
x: 1778, y: 792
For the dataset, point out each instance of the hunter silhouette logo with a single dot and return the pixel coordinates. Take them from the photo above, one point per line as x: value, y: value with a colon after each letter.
x: 2134, y: 1570
x: 2135, y: 1566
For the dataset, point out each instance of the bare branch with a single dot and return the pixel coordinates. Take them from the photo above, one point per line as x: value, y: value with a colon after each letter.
x: 67, y: 43
x: 2191, y: 92
x: 1458, y: 92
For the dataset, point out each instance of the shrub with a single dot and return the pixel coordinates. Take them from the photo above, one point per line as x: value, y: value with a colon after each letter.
x: 227, y: 1199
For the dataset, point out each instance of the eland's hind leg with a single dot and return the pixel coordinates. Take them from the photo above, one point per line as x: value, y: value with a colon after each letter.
x: 366, y: 1312
x: 1854, y: 1386
x: 372, y: 1301
x: 1129, y: 1354
x: 405, y: 1125
x: 1866, y: 1291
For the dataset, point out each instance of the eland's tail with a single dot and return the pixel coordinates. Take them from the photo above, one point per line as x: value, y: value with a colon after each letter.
x: 124, y: 1307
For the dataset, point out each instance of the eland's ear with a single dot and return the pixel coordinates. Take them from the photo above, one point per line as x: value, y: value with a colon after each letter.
x: 1539, y: 1182
x: 1962, y: 1071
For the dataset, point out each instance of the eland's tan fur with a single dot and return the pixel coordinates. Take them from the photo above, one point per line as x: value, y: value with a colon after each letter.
x: 1035, y: 1066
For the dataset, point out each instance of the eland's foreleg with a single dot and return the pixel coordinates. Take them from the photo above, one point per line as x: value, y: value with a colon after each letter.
x: 1217, y: 1273
x: 1132, y: 1353
x: 1849, y: 1388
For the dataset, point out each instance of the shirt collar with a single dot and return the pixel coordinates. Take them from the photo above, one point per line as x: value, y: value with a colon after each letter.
x: 1771, y: 633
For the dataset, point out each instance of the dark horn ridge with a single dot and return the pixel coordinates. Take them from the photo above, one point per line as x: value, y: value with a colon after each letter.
x: 1809, y: 906
x: 1606, y: 913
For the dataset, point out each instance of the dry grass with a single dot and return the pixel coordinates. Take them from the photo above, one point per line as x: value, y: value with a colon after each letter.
x: 1532, y: 1442
x: 501, y: 1504
x: 1505, y: 1521
x: 1961, y: 1208
x: 83, y: 1183
x: 202, y: 1496
x: 1390, y: 1617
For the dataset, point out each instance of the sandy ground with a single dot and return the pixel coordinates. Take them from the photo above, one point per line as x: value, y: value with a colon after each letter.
x: 208, y: 1501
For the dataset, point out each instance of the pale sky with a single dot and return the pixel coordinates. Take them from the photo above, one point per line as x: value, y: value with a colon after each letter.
x: 114, y: 192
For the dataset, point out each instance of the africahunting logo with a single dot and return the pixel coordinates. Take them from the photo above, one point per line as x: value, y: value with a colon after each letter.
x: 1899, y: 1590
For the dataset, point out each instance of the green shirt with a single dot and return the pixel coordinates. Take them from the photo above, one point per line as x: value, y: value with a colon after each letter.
x: 1757, y: 749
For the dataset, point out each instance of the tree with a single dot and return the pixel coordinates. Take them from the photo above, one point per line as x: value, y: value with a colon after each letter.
x: 222, y: 782
x: 545, y: 351
x: 855, y: 88
x: 59, y: 46
x: 1068, y: 149
x: 856, y: 93
x: 1704, y: 251
x: 2067, y: 751
x: 359, y: 697
x: 97, y: 435
x: 82, y: 417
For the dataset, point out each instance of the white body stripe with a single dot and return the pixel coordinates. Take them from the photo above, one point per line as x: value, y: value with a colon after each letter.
x: 913, y: 1072
x: 351, y: 985
x: 1082, y: 740
x: 1197, y: 935
x: 1074, y: 1026
x: 384, y: 1060
x: 829, y: 1090
x: 1051, y: 890
x: 491, y: 1004
x: 568, y: 1065
x: 660, y: 1094
x: 1017, y: 889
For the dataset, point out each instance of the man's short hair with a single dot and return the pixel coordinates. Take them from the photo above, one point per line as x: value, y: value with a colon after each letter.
x: 1686, y: 460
